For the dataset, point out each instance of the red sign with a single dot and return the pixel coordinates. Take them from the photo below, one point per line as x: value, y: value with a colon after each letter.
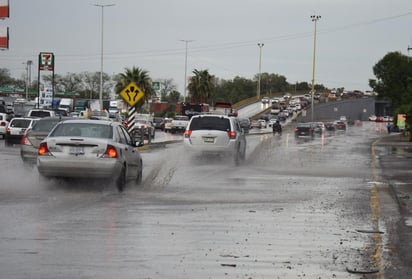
x: 46, y: 61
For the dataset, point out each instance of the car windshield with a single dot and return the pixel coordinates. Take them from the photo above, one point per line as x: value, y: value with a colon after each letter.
x: 90, y: 130
x: 45, y: 125
x: 210, y: 123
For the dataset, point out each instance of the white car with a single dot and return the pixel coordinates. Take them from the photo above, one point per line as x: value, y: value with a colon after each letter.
x: 263, y: 123
x: 3, y: 125
x: 90, y: 149
x: 215, y: 134
x: 16, y: 128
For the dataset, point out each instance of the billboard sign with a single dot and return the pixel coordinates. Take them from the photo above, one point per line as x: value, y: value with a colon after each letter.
x: 4, y: 9
x: 46, y: 61
x: 4, y: 37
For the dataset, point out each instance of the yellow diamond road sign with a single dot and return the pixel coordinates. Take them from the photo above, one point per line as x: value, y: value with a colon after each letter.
x: 131, y: 94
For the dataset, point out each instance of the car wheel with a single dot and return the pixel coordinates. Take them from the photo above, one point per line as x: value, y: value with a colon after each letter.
x: 237, y: 158
x: 139, y: 177
x: 121, y: 180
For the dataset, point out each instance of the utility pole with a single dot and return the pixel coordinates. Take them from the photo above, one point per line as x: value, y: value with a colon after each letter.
x: 185, y: 88
x: 314, y: 18
x: 409, y: 48
x: 260, y: 45
x: 102, y: 6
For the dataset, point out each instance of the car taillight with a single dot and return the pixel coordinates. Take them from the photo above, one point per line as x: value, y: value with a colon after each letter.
x: 8, y: 131
x: 232, y: 134
x: 188, y: 133
x: 43, y: 150
x: 111, y: 152
x: 25, y: 140
x: 3, y: 123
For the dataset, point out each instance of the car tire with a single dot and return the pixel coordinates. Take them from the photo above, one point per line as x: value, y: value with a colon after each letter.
x: 121, y: 180
x: 237, y: 158
x: 139, y: 177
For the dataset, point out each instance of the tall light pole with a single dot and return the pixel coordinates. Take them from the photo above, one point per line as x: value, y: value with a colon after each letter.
x: 260, y: 45
x: 28, y: 72
x: 315, y: 19
x: 101, y: 53
x: 185, y: 88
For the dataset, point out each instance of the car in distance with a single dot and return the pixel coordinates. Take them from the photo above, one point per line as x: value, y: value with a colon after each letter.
x: 167, y: 124
x: 147, y: 127
x: 40, y: 113
x: 179, y: 124
x: 245, y: 124
x: 340, y: 125
x: 92, y: 149
x: 216, y: 134
x: 31, y: 139
x: 158, y: 123
x: 265, y: 100
x: 16, y: 128
x: 3, y: 125
x: 304, y: 130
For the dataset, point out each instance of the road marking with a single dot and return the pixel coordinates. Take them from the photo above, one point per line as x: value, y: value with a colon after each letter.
x: 375, y: 207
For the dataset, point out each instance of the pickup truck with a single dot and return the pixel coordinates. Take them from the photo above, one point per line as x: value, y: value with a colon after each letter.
x: 179, y: 124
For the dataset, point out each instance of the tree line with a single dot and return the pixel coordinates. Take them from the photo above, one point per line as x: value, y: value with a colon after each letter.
x: 203, y: 87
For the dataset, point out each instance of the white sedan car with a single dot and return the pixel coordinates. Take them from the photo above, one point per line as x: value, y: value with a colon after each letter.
x: 90, y: 149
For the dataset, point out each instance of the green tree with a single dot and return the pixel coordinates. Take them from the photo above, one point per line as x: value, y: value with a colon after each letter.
x: 138, y: 76
x: 167, y: 87
x: 5, y: 77
x: 394, y: 82
x: 201, y: 86
x: 393, y: 79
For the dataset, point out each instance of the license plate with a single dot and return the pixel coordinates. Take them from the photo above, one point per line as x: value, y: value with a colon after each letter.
x: 209, y: 139
x: 76, y: 150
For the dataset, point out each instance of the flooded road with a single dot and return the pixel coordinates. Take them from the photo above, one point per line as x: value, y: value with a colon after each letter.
x: 293, y: 209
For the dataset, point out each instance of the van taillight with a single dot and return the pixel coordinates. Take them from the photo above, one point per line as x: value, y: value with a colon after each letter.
x: 43, y: 150
x: 232, y: 134
x: 3, y: 123
x: 188, y: 133
x: 111, y: 152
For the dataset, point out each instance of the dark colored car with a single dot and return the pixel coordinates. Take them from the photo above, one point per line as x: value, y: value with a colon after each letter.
x: 340, y: 125
x: 330, y: 126
x: 245, y: 124
x: 158, y: 123
x: 304, y: 130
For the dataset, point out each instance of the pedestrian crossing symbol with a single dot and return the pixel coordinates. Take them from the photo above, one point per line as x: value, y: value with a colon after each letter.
x: 131, y: 94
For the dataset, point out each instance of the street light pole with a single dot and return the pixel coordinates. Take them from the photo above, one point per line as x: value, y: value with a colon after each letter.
x: 260, y: 45
x: 314, y: 18
x: 101, y: 53
x: 185, y: 88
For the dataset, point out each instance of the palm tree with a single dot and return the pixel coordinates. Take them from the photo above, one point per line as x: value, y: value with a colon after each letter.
x: 138, y: 76
x: 201, y: 86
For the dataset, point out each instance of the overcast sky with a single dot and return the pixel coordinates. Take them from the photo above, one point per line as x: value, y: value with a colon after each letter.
x: 352, y: 36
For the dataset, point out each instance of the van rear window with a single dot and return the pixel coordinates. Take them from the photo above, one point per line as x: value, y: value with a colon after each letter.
x: 210, y: 123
